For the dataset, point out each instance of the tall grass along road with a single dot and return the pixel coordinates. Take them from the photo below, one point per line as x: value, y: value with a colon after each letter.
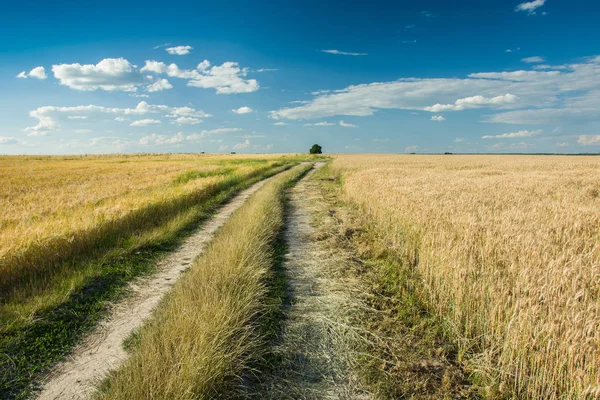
x: 201, y: 338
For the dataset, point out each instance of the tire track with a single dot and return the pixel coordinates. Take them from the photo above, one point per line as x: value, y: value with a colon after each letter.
x: 102, y: 350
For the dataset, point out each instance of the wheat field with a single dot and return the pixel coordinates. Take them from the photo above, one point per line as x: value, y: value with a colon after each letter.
x: 55, y: 208
x: 508, y: 251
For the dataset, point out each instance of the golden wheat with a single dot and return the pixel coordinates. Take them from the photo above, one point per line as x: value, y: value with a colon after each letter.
x: 508, y: 249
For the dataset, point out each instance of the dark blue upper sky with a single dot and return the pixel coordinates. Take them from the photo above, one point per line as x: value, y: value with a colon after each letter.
x: 404, y: 76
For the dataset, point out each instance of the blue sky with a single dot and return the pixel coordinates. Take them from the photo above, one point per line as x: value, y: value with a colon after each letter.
x: 252, y: 77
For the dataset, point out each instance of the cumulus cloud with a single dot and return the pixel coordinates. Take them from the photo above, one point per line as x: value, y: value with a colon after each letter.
x: 50, y: 118
x: 347, y: 125
x: 530, y: 6
x: 242, y: 110
x: 243, y: 145
x: 186, y: 121
x: 519, y: 134
x: 145, y: 122
x: 534, y: 59
x: 179, y: 50
x: 159, y: 85
x: 473, y: 102
x: 279, y: 123
x: 589, y: 140
x: 110, y: 74
x: 438, y: 118
x: 227, y: 78
x: 530, y: 96
x: 37, y: 72
x: 344, y: 53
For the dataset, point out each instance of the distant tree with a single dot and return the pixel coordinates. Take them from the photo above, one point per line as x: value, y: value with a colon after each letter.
x: 233, y: 152
x: 316, y: 149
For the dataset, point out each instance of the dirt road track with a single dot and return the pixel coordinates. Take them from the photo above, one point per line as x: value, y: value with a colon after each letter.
x: 102, y: 350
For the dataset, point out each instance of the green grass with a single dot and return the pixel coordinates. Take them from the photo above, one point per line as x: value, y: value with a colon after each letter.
x: 28, y: 349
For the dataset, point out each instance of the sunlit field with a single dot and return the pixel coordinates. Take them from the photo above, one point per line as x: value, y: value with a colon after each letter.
x: 508, y: 251
x: 56, y: 208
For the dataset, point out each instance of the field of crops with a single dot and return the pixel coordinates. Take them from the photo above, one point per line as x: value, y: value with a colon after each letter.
x: 73, y: 230
x: 508, y: 252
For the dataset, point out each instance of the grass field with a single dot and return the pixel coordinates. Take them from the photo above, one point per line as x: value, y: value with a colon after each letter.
x: 74, y: 230
x: 507, y: 253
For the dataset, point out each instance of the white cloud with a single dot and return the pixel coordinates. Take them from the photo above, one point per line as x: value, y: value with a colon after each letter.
x: 110, y: 74
x: 177, y: 112
x: 534, y: 59
x: 145, y: 122
x: 227, y: 78
x: 344, y: 53
x: 280, y: 123
x: 589, y: 140
x: 438, y: 118
x: 519, y: 134
x: 38, y: 72
x: 155, y: 139
x: 161, y: 45
x: 473, y: 102
x: 186, y: 121
x: 51, y: 117
x: 458, y: 140
x: 159, y: 85
x: 562, y: 144
x: 179, y: 50
x: 267, y: 70
x: 411, y: 149
x: 347, y: 125
x: 516, y: 75
x: 530, y: 6
x: 242, y: 110
x: 573, y: 92
x: 223, y: 147
x: 243, y: 145
x: 321, y: 124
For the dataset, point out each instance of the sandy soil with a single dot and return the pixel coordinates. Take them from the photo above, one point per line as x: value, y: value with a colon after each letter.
x: 102, y: 351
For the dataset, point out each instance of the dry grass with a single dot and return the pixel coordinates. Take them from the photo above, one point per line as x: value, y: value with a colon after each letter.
x: 204, y: 333
x: 508, y: 250
x: 56, y: 211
